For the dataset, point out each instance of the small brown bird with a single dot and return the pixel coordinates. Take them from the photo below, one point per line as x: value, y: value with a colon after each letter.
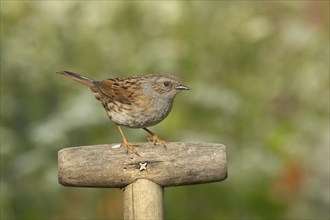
x: 135, y: 102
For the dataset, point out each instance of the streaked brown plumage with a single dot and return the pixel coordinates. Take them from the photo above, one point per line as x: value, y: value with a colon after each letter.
x: 135, y: 102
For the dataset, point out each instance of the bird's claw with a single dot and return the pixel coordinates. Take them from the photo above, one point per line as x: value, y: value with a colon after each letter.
x: 156, y: 141
x: 131, y: 147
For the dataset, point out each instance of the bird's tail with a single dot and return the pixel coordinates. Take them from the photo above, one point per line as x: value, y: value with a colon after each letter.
x: 81, y: 79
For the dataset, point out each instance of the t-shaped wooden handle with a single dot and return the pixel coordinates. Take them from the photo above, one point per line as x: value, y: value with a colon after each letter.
x: 110, y: 166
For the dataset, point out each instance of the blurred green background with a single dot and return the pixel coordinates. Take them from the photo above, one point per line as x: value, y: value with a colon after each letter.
x: 259, y: 73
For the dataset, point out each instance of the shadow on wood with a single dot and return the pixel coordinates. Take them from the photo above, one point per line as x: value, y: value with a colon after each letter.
x: 106, y: 166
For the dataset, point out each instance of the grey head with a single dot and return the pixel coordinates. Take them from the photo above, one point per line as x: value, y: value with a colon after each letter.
x: 163, y: 86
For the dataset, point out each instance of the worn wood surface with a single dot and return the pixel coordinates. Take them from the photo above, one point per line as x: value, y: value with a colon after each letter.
x: 109, y: 166
x: 143, y: 199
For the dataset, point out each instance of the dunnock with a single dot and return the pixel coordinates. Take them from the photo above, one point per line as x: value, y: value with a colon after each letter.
x: 135, y: 102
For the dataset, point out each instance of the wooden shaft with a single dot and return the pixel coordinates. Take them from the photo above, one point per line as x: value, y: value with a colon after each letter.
x: 143, y: 199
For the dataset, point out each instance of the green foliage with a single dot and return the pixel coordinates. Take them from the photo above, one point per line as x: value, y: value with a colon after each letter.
x: 259, y: 73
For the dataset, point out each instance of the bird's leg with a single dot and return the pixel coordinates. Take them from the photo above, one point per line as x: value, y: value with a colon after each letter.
x: 154, y: 138
x: 129, y: 147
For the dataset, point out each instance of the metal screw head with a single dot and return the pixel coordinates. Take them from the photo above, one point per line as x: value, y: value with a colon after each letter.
x: 143, y: 166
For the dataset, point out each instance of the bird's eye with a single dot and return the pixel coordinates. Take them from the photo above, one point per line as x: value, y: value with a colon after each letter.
x: 166, y: 84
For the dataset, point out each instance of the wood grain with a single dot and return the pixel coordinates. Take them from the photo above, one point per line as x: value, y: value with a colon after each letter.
x: 178, y: 164
x: 143, y: 199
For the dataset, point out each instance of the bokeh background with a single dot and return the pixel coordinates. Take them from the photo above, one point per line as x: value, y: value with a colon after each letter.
x: 259, y: 73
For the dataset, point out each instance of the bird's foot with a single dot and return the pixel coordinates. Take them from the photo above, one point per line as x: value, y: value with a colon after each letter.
x: 130, y: 147
x: 156, y: 141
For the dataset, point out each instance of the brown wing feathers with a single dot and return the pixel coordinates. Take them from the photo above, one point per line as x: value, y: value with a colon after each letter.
x: 114, y: 90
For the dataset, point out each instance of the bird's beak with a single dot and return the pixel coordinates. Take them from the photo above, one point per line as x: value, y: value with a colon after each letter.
x: 182, y: 87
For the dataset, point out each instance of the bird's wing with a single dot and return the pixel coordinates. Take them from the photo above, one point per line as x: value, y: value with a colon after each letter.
x: 119, y: 90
